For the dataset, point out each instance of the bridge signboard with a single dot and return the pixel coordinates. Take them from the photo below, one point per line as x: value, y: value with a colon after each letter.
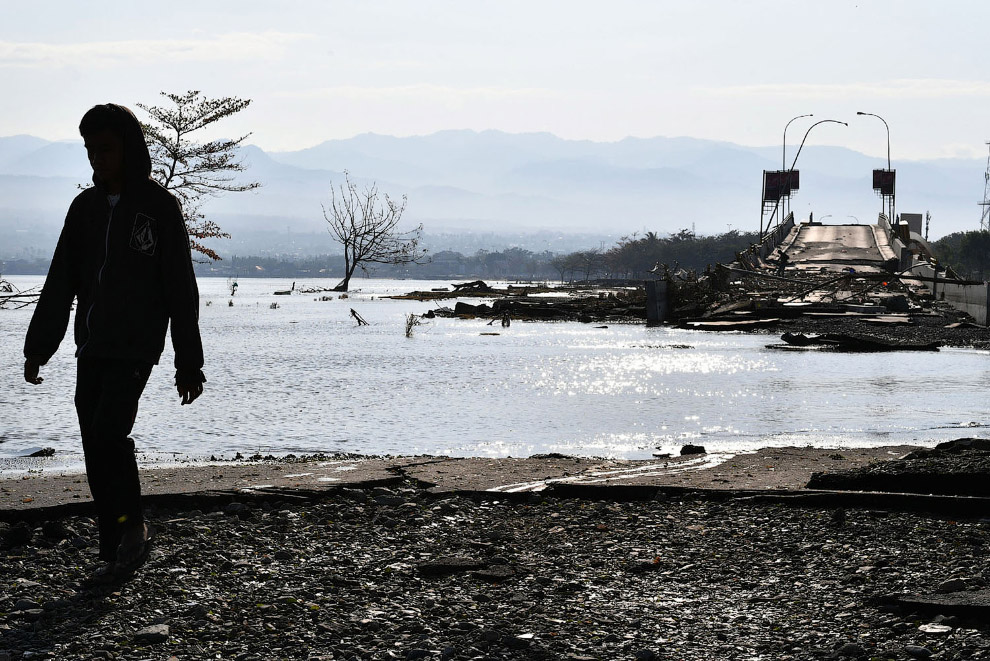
x: 779, y: 183
x: 883, y: 182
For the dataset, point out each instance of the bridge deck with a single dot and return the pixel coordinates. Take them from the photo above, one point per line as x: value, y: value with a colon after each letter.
x: 834, y: 247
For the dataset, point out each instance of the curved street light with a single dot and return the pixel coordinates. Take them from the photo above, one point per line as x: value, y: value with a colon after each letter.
x: 824, y: 121
x: 858, y: 112
x: 783, y: 156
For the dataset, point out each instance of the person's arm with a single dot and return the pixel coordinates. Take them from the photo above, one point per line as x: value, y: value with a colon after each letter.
x: 182, y: 298
x: 31, y: 369
x: 51, y: 316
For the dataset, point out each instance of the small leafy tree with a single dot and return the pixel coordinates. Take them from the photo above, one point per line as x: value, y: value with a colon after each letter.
x: 974, y: 250
x: 366, y: 223
x: 968, y: 253
x: 193, y: 170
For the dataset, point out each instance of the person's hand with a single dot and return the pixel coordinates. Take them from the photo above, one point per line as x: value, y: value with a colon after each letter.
x: 31, y: 369
x: 189, y: 392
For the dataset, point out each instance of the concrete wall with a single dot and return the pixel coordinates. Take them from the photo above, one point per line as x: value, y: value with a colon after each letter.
x: 904, y: 258
x: 971, y: 299
x: 657, y: 301
x: 913, y: 221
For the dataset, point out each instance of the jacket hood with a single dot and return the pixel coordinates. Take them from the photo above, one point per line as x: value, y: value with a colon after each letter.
x: 137, y: 158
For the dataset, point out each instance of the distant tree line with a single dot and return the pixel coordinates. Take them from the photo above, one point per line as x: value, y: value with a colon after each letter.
x: 25, y: 266
x: 967, y: 253
x: 633, y: 257
x: 636, y: 256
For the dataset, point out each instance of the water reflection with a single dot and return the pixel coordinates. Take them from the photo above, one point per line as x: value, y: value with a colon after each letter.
x: 304, y: 378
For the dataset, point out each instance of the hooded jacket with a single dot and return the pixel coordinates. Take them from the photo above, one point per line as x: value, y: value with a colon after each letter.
x: 130, y: 268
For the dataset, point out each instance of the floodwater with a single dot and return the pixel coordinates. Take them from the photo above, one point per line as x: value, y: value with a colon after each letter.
x: 304, y: 378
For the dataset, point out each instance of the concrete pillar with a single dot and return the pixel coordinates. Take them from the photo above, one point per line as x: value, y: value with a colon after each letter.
x: 657, y: 301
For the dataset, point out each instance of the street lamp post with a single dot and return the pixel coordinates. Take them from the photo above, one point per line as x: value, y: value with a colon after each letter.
x: 783, y: 156
x: 823, y: 121
x: 858, y: 112
x: 783, y: 144
x: 886, y: 126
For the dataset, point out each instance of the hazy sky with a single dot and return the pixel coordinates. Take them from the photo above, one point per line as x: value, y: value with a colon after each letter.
x: 599, y: 70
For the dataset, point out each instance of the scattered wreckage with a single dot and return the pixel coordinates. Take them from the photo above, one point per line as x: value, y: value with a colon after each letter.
x: 586, y: 302
x: 849, y: 310
x: 11, y: 297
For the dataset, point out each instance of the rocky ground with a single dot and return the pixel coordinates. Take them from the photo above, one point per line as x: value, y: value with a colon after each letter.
x: 940, y: 324
x: 399, y: 573
x: 956, y: 468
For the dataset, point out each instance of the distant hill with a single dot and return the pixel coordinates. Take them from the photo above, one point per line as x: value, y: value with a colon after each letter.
x: 16, y: 146
x: 490, y: 181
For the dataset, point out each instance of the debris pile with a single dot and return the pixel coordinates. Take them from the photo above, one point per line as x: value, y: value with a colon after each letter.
x: 849, y: 310
x: 854, y: 308
x: 586, y: 303
x: 953, y: 468
x: 12, y: 298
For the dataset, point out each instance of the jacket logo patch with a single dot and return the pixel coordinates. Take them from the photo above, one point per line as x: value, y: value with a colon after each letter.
x: 143, y: 235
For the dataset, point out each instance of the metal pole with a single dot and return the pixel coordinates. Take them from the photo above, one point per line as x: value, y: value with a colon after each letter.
x: 887, y: 126
x: 783, y: 156
x: 783, y: 149
x: 824, y: 121
x: 888, y: 132
x: 834, y: 121
x: 762, y: 204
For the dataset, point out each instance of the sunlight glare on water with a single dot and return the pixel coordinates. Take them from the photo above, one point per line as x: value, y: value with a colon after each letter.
x: 304, y: 378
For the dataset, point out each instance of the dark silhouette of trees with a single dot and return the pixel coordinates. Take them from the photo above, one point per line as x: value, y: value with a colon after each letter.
x: 190, y: 169
x: 561, y: 264
x: 588, y: 262
x: 975, y: 253
x: 968, y: 253
x: 366, y: 223
x: 637, y: 257
x: 633, y: 258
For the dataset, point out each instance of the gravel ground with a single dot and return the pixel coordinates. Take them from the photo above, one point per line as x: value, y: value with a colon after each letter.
x: 921, y: 329
x: 400, y: 574
x: 954, y: 468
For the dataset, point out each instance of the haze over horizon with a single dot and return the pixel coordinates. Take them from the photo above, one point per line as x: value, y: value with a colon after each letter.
x: 514, y: 185
x: 563, y: 86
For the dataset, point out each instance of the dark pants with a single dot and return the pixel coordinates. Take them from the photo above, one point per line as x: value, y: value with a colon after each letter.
x: 107, y: 394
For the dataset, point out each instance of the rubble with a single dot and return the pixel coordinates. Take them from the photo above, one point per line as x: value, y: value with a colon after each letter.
x: 954, y: 468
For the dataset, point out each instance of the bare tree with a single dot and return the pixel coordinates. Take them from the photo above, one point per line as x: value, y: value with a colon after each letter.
x: 588, y: 262
x: 365, y: 223
x: 561, y: 264
x: 193, y: 170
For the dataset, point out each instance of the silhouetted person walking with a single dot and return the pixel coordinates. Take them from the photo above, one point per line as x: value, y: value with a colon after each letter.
x: 124, y: 254
x: 782, y: 263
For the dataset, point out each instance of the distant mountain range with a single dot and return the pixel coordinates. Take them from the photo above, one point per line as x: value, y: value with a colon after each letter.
x: 506, y: 185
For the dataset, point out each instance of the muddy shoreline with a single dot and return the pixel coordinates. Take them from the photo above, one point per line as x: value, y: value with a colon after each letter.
x: 394, y: 574
x: 429, y: 567
x: 47, y: 486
